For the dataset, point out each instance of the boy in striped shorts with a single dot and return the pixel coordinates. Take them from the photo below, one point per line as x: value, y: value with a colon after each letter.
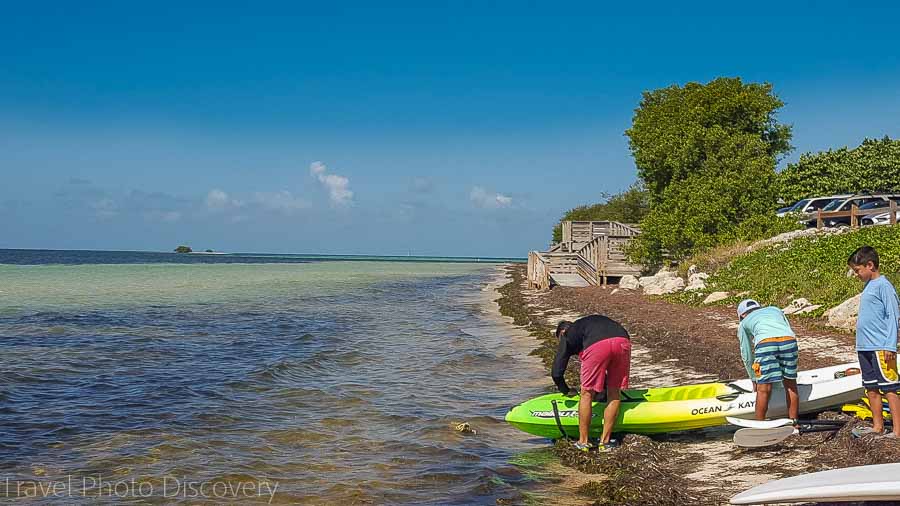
x: 770, y: 354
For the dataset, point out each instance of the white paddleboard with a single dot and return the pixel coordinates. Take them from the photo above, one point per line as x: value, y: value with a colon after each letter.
x: 863, y: 483
x: 759, y: 424
x: 757, y: 438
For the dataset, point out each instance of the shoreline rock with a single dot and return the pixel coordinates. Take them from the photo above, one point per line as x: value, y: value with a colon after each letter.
x: 844, y: 315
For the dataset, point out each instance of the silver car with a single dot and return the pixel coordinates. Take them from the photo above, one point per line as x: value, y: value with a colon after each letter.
x: 811, y: 205
x: 883, y: 218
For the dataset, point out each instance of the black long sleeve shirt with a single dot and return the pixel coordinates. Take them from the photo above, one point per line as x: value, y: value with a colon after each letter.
x: 581, y: 334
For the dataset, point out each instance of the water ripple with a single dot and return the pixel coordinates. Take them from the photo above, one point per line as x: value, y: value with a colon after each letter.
x: 341, y: 385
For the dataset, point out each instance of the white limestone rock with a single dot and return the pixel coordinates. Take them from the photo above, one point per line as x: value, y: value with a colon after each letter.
x: 697, y: 281
x: 844, y: 315
x: 800, y: 306
x: 629, y: 282
x: 662, y: 286
x: 715, y: 297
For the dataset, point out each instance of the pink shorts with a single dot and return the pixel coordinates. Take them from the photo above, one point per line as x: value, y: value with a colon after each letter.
x: 606, y: 362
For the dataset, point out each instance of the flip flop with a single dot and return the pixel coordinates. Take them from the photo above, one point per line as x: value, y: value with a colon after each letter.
x: 864, y: 431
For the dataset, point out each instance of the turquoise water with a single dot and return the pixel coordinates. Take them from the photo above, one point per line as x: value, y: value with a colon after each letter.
x: 322, y: 383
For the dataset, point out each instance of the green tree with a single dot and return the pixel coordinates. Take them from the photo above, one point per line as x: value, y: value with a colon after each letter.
x: 183, y: 249
x: 707, y: 154
x: 630, y: 206
x: 874, y: 165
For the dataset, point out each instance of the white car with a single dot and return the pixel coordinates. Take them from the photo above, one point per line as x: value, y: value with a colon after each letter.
x: 811, y: 205
x: 880, y: 219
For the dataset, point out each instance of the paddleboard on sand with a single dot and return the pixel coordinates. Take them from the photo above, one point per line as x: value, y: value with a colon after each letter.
x: 781, y: 422
x: 863, y: 483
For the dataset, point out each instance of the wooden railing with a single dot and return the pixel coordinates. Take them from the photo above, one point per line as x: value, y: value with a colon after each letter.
x: 587, y: 271
x: 562, y: 263
x: 854, y: 214
x: 592, y: 249
x: 538, y: 271
x: 582, y: 232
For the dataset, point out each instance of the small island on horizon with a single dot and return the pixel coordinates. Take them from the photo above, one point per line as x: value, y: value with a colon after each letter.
x: 187, y: 249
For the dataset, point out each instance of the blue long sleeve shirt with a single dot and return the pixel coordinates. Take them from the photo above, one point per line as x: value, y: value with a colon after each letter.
x: 876, y: 327
x: 761, y: 324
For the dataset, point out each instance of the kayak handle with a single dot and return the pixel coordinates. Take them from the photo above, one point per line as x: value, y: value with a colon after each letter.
x: 739, y: 389
x: 558, y: 421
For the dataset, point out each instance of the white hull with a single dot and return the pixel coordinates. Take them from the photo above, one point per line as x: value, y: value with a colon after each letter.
x: 818, y: 390
x: 863, y: 483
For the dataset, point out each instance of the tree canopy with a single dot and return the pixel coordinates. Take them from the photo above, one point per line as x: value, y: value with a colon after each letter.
x: 874, y: 165
x: 707, y: 154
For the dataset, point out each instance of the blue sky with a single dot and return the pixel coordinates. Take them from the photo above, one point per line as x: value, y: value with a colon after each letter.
x: 446, y: 128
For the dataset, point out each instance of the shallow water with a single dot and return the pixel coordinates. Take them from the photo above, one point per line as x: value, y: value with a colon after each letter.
x: 311, y: 383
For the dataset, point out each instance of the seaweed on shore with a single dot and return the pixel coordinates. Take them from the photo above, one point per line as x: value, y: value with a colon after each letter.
x: 845, y: 450
x: 641, y: 471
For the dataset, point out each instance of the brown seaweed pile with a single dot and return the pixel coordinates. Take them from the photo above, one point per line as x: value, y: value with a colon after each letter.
x: 640, y: 471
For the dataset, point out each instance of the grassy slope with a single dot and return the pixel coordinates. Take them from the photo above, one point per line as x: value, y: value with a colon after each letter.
x: 814, y: 268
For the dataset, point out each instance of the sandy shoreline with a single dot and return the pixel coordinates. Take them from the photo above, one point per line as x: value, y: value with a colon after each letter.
x: 675, y: 344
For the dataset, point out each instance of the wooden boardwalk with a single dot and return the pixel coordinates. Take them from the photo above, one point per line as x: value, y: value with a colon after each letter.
x: 569, y: 280
x: 590, y: 253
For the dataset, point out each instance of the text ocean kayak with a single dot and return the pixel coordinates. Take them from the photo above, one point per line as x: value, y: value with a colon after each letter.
x: 670, y: 409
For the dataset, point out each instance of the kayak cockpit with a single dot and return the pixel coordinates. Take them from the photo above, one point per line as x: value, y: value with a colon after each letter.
x: 684, y: 393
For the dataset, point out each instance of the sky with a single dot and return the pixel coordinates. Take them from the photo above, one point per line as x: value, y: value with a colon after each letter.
x: 430, y: 128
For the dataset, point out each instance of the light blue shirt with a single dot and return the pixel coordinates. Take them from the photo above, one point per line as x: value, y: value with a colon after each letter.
x: 876, y: 327
x: 761, y: 324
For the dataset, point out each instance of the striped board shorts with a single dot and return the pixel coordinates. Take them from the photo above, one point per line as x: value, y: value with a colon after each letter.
x: 775, y: 359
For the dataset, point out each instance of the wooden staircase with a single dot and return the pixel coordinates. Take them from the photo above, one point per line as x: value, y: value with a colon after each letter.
x: 590, y: 252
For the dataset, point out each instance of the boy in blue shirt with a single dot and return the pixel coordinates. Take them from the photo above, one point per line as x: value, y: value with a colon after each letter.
x: 770, y: 354
x: 876, y: 339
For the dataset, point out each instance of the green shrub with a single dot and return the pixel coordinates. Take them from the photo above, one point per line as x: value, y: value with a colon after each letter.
x: 814, y: 268
x: 874, y: 165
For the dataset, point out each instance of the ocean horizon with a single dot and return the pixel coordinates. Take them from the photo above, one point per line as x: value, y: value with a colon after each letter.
x: 36, y: 256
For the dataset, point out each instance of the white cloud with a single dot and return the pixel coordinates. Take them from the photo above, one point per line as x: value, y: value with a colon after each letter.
x: 218, y: 200
x: 105, y: 207
x: 283, y: 201
x: 484, y: 199
x: 337, y: 186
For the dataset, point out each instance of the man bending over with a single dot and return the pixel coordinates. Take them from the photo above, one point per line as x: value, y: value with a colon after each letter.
x: 604, y: 348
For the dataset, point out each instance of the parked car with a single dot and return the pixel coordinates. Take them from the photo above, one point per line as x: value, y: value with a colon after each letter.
x: 811, y: 205
x: 845, y: 204
x: 879, y: 219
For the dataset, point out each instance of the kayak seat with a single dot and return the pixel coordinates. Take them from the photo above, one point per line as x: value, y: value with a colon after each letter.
x: 685, y: 393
